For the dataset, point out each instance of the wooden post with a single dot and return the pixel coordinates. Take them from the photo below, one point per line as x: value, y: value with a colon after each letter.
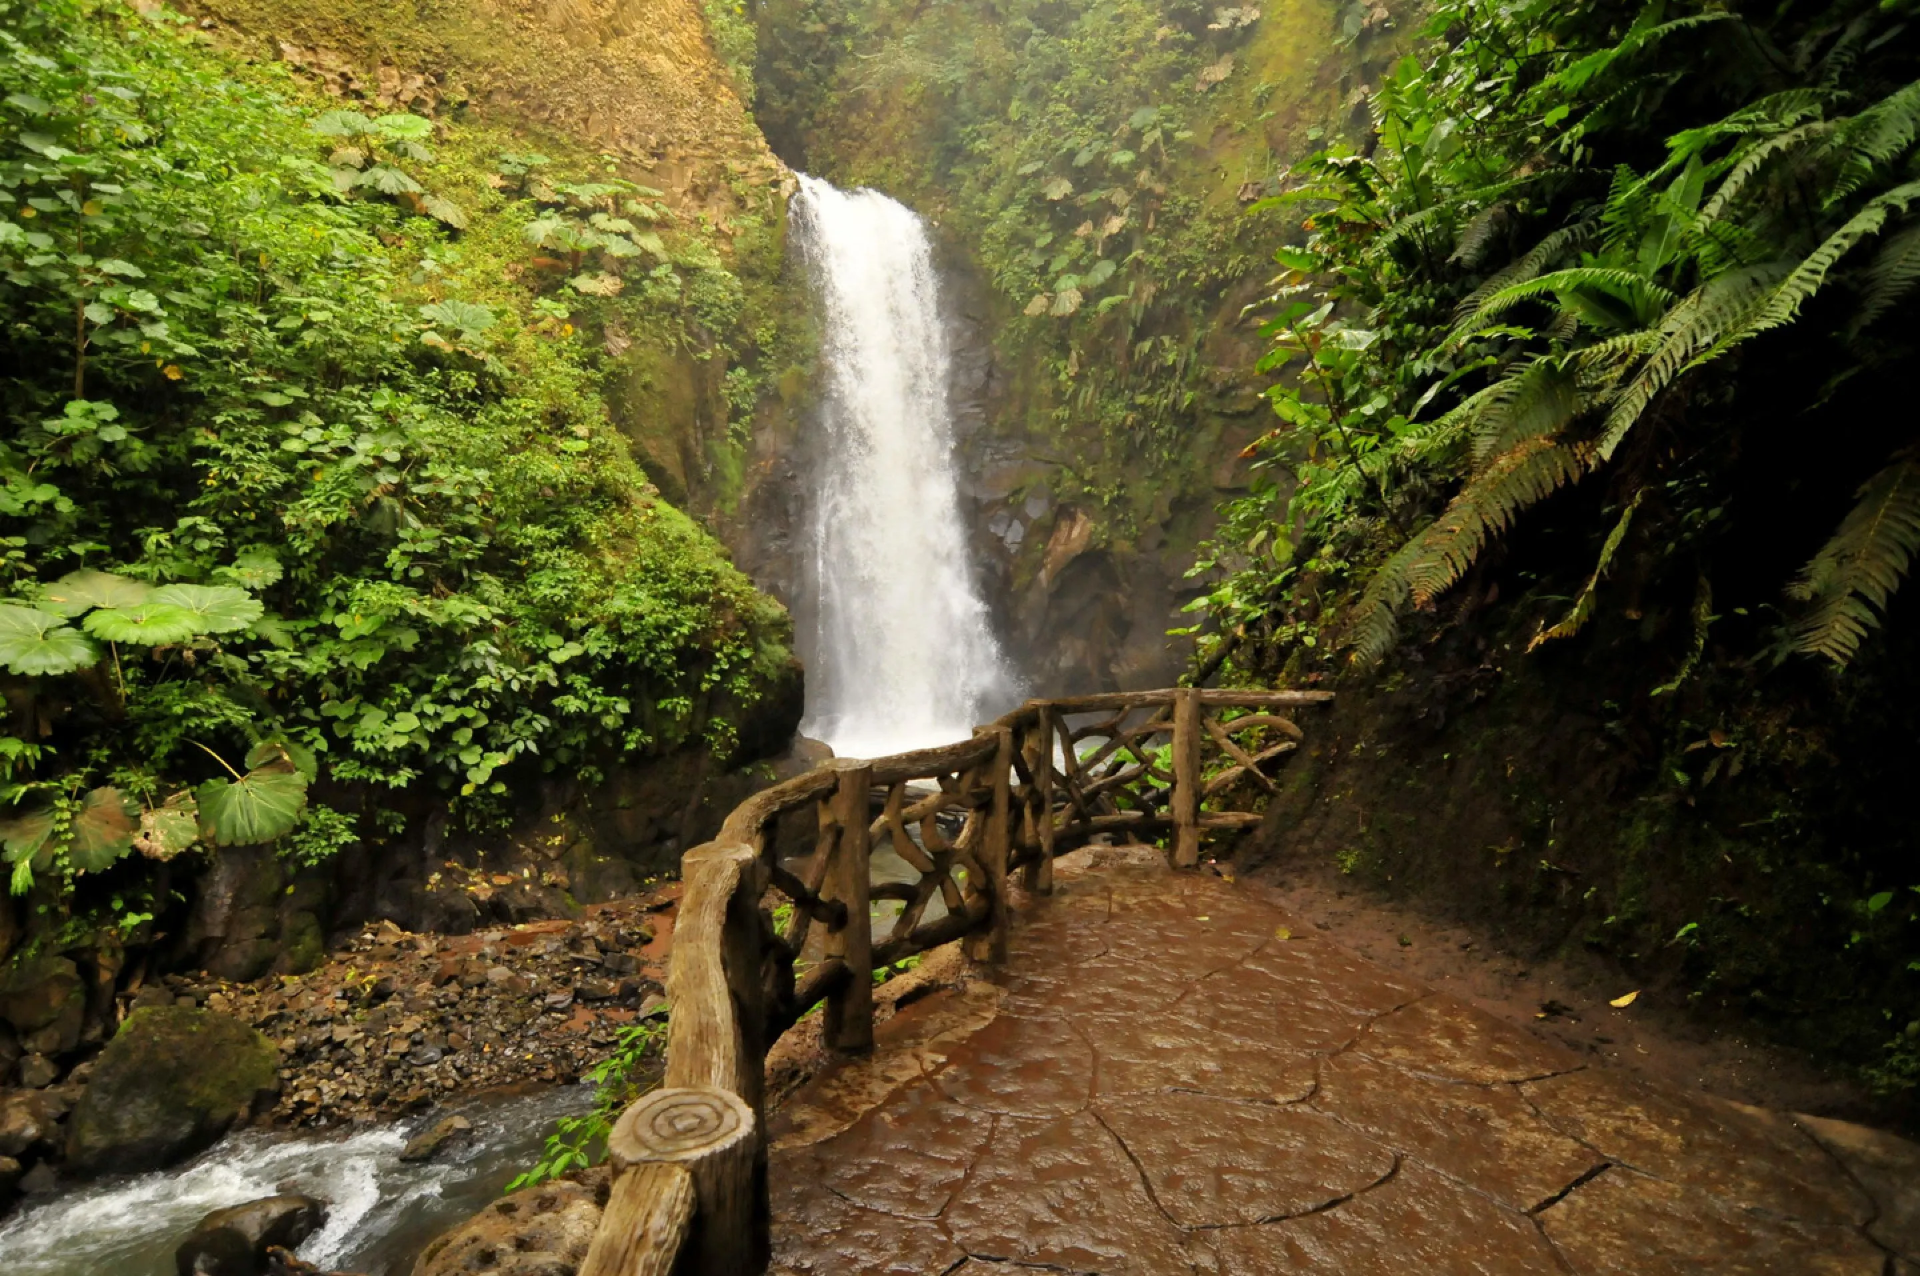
x: 710, y: 1137
x: 1038, y: 876
x: 1186, y: 778
x: 647, y: 1220
x: 995, y: 849
x: 848, y: 1022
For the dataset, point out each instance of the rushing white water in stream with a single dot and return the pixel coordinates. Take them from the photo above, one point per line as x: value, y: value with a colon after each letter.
x: 380, y: 1211
x: 903, y: 655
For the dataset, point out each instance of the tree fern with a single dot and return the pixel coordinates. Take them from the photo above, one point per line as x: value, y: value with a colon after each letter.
x: 1538, y: 401
x: 1528, y: 265
x: 1850, y: 580
x: 1521, y: 478
x: 1629, y: 286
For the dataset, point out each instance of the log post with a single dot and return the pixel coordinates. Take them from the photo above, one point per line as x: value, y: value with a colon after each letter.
x: 709, y: 1136
x: 990, y: 944
x: 646, y: 1223
x: 1038, y: 875
x: 1186, y: 778
x: 848, y: 1021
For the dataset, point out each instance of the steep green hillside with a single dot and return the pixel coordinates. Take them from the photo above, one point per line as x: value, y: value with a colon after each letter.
x: 314, y: 504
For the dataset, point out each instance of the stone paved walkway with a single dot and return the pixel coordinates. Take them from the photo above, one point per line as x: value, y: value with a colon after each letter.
x: 1171, y: 1078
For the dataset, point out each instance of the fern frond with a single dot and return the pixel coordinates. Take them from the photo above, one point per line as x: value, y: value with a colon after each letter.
x: 1630, y: 285
x: 1527, y: 265
x: 1702, y: 621
x: 1850, y: 580
x: 1893, y: 274
x: 1582, y: 609
x: 1799, y: 287
x: 1539, y: 400
x: 1487, y: 506
x: 1474, y: 237
x: 1416, y: 223
x: 1374, y: 624
x: 1700, y: 321
x: 1749, y: 165
x: 1874, y: 138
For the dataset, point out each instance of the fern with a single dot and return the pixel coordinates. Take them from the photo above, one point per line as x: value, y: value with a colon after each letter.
x: 1538, y: 401
x: 1521, y: 478
x: 1893, y: 273
x: 1628, y: 285
x: 1529, y: 264
x: 1700, y: 321
x: 1750, y: 164
x: 1875, y: 138
x: 1582, y: 609
x: 1374, y: 625
x: 1783, y: 307
x: 1850, y: 580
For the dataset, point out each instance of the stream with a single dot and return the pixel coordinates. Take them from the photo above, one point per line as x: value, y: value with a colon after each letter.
x: 381, y: 1212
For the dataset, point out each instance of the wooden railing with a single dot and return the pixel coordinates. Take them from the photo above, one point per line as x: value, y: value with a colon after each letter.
x: 769, y: 927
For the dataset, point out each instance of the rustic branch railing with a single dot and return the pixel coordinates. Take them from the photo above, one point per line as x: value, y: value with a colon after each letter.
x: 760, y: 942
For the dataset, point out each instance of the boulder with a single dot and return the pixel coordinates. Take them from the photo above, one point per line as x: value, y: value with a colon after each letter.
x: 46, y: 993
x: 234, y: 1241
x: 29, y: 1119
x: 539, y: 1231
x: 166, y: 1086
x: 37, y: 1072
x: 425, y: 1147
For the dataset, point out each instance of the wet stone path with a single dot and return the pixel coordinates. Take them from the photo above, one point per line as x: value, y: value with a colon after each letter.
x: 1169, y: 1077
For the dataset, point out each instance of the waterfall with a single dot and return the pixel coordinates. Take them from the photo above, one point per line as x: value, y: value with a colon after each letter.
x: 902, y: 654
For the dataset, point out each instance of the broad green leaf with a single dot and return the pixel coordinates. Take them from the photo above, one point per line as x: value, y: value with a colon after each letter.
x: 1057, y: 189
x: 388, y: 180
x: 445, y: 211
x: 342, y: 124
x: 170, y: 828
x: 150, y: 624
x: 283, y: 753
x: 258, y: 807
x: 469, y: 319
x: 34, y: 643
x: 102, y: 829
x: 402, y: 127
x: 602, y: 284
x: 252, y: 569
x: 216, y: 609
x: 81, y: 591
x: 24, y: 835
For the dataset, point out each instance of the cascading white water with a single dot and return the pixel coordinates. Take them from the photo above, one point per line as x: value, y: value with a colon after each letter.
x: 903, y: 655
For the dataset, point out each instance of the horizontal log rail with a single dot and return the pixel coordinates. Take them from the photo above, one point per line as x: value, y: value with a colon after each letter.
x: 764, y: 935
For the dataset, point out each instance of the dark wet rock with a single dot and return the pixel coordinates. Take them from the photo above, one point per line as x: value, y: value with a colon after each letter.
x: 446, y: 1133
x: 46, y: 993
x: 10, y: 1175
x: 39, y: 1180
x: 1888, y: 1167
x: 36, y: 1071
x: 540, y: 1231
x: 170, y: 1083
x: 235, y: 1241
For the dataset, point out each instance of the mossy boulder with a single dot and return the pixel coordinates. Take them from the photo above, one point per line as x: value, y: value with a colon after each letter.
x: 168, y: 1085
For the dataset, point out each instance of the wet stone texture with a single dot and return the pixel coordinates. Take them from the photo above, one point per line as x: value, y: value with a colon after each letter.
x: 1168, y: 1077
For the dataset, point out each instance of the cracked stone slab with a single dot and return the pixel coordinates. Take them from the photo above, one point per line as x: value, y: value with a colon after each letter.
x: 1888, y: 1167
x: 1259, y: 1008
x: 1626, y: 1224
x: 1304, y: 963
x: 1063, y: 1193
x: 1439, y: 1036
x: 821, y: 1234
x: 1415, y: 1224
x: 1747, y: 1157
x: 1488, y: 1137
x: 906, y: 1158
x: 1021, y: 1067
x: 1210, y: 1162
x: 1153, y: 1055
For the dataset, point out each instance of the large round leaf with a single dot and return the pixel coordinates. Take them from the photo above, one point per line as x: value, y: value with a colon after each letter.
x: 81, y: 591
x: 170, y: 828
x: 254, y: 569
x: 280, y: 754
x: 258, y: 807
x: 151, y: 624
x: 102, y: 830
x: 24, y: 835
x: 216, y: 609
x: 33, y: 643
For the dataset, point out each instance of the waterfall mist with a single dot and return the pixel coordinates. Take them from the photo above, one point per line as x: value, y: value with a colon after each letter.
x: 902, y: 654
